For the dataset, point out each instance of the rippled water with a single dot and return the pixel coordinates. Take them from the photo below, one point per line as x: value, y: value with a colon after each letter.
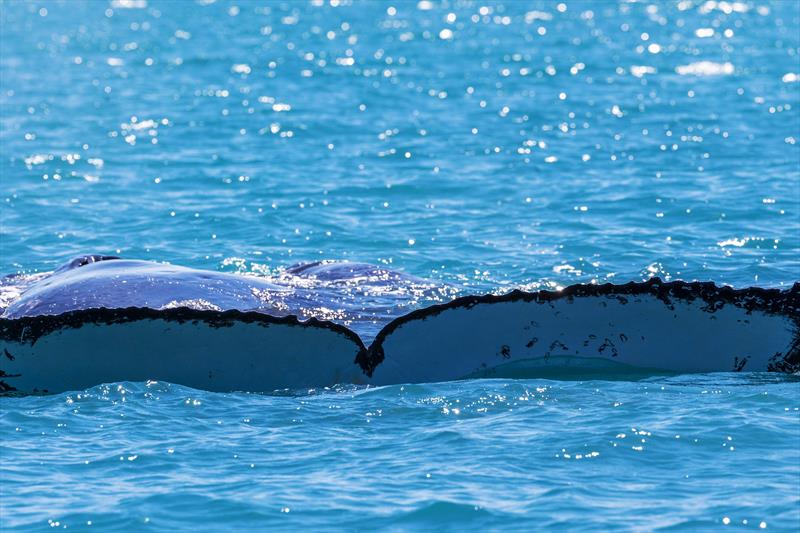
x: 504, y: 143
x: 687, y: 453
x: 485, y: 145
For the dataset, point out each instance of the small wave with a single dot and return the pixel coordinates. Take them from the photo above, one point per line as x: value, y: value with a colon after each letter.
x: 443, y: 512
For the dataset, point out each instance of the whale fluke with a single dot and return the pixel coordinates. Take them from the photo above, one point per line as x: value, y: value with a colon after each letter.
x: 662, y: 328
x: 182, y: 325
x: 210, y: 350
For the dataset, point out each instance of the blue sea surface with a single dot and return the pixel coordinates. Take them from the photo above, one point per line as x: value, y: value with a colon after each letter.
x: 688, y: 453
x: 483, y: 145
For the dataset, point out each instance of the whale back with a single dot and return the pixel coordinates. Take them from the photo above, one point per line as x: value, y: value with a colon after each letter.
x: 359, y: 295
x: 120, y: 283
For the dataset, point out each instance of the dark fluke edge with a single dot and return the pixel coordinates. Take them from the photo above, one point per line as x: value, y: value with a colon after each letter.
x: 583, y: 331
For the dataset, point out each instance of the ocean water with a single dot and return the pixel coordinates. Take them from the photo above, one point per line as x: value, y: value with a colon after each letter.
x: 688, y: 453
x: 482, y: 145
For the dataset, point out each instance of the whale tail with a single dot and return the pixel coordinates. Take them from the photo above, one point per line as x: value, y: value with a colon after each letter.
x: 582, y: 332
x: 654, y: 326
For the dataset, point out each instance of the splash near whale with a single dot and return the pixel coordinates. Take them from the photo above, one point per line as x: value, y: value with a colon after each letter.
x: 101, y: 319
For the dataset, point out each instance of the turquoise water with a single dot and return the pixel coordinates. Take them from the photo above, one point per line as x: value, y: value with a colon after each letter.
x: 683, y: 453
x: 485, y: 146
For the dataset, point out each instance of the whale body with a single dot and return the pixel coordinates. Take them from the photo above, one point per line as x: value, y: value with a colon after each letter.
x: 357, y: 294
x: 102, y: 319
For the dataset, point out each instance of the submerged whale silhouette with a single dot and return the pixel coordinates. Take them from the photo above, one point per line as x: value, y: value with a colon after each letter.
x: 101, y: 319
